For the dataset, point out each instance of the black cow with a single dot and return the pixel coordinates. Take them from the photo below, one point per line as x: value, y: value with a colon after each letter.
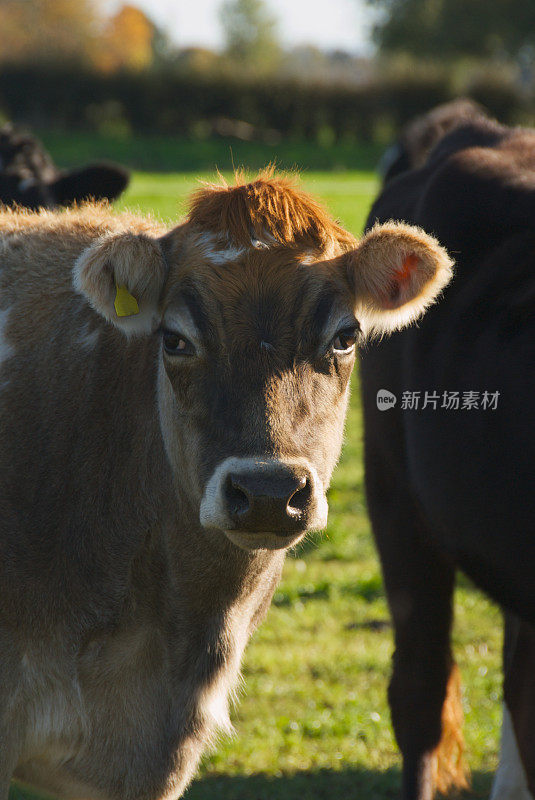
x: 419, y: 136
x: 451, y: 487
x: 29, y: 177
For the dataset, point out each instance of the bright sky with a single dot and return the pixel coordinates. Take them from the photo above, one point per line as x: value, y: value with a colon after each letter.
x: 328, y: 24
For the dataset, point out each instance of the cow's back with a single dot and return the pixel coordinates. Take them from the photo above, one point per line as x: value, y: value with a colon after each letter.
x: 467, y: 471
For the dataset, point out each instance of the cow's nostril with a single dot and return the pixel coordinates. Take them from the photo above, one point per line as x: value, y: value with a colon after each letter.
x: 237, y: 500
x: 268, y: 497
x: 300, y: 499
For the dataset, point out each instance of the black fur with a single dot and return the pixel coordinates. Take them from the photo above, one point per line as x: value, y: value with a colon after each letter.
x: 454, y: 488
x: 29, y: 177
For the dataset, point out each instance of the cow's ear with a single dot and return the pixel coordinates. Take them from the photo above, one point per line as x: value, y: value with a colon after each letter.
x: 396, y: 271
x: 95, y: 182
x: 122, y: 276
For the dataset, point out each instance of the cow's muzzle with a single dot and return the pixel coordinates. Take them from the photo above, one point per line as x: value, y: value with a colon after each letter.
x: 264, y: 502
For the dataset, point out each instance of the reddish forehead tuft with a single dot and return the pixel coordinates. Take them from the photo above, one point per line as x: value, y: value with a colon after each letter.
x: 268, y: 207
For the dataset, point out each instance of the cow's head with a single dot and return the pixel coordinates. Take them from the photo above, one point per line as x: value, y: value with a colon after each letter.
x: 257, y: 302
x: 29, y: 177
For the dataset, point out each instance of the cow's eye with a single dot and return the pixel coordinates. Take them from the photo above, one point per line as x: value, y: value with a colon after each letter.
x: 176, y: 345
x: 345, y: 340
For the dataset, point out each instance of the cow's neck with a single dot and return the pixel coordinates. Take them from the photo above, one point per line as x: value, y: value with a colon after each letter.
x: 213, y: 580
x: 205, y: 599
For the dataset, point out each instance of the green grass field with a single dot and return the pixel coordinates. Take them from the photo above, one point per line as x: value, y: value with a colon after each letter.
x: 312, y: 720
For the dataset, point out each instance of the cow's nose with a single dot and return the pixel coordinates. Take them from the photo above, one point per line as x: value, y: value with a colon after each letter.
x: 264, y: 502
x: 271, y: 499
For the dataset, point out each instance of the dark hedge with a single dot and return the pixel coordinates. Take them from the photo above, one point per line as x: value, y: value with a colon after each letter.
x: 73, y: 99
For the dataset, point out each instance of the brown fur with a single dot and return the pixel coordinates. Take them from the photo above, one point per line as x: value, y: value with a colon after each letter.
x: 450, y: 770
x: 271, y: 206
x: 397, y: 273
x: 471, y: 181
x: 123, y: 619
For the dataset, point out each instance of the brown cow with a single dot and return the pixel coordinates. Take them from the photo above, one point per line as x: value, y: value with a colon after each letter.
x: 173, y: 405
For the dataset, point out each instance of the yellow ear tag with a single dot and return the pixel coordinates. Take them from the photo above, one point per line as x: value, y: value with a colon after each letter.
x: 125, y: 303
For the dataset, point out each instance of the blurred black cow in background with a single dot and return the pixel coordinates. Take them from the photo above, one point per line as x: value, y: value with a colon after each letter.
x: 449, y: 488
x: 419, y: 136
x: 29, y: 177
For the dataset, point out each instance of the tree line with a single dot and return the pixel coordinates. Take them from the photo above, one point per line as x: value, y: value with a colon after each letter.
x: 36, y: 31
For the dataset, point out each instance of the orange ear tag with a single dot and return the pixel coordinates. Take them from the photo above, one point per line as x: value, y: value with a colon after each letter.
x: 125, y: 303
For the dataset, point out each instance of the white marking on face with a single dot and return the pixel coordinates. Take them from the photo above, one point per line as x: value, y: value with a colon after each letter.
x: 169, y: 414
x: 179, y: 320
x: 224, y: 256
x: 219, y: 251
x: 215, y: 250
x: 510, y: 779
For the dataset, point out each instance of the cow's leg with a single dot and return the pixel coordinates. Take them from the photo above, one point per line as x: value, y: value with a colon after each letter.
x: 515, y: 778
x: 424, y: 691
